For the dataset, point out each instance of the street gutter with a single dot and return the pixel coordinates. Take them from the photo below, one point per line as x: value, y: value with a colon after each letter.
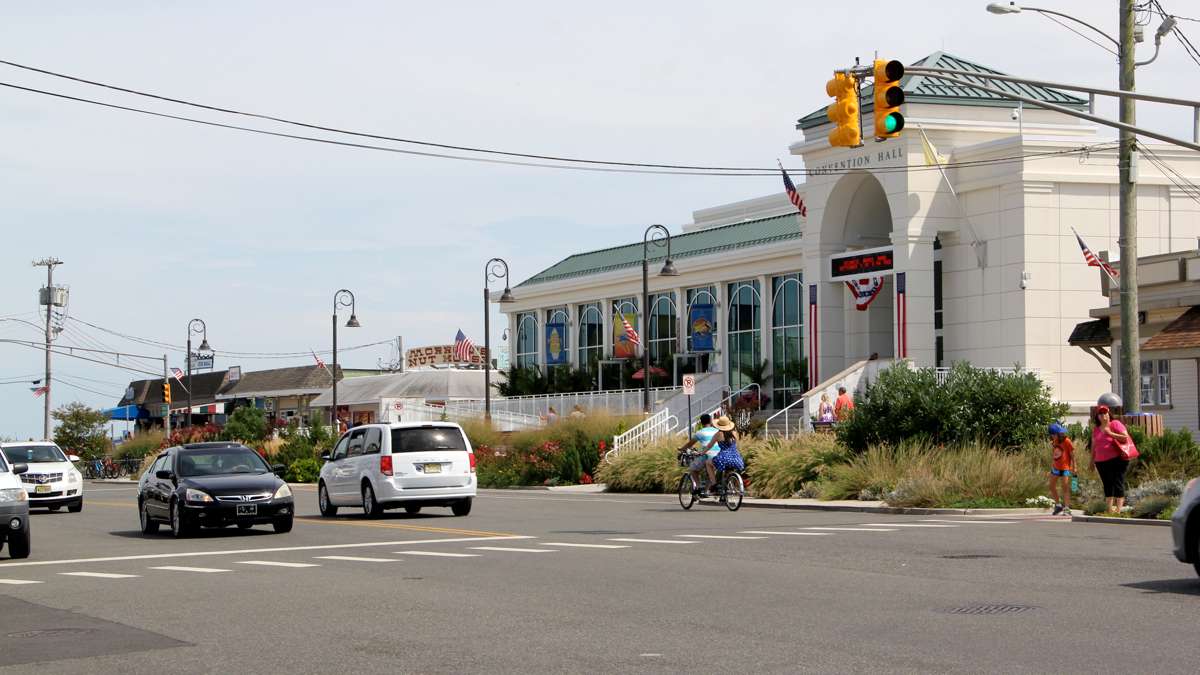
x: 1119, y: 521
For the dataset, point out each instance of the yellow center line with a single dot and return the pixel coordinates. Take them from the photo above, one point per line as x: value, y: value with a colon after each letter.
x: 399, y: 526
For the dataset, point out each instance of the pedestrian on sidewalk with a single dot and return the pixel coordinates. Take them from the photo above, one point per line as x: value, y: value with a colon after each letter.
x: 825, y: 409
x: 843, y: 405
x: 1062, y: 468
x: 1112, y: 449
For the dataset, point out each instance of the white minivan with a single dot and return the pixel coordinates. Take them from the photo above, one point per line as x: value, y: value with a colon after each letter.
x: 402, y: 464
x: 52, y: 480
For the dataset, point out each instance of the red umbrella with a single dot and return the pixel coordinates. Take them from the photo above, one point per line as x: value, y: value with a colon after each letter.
x: 654, y: 370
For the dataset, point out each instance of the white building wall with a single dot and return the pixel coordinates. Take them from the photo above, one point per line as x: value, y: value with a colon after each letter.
x: 1185, y: 396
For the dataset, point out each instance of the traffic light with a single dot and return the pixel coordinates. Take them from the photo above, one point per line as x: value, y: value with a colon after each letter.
x: 844, y: 111
x: 166, y: 392
x: 888, y: 98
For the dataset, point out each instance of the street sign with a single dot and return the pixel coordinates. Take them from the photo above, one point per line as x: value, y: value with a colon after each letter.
x: 164, y: 410
x: 689, y: 385
x: 202, y: 361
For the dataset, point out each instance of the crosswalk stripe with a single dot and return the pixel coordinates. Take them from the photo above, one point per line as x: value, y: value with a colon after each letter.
x: 203, y: 570
x: 905, y: 525
x: 972, y: 522
x: 275, y: 563
x: 512, y: 550
x: 99, y: 575
x: 791, y: 534
x: 440, y: 554
x: 18, y: 582
x: 851, y: 529
x: 560, y: 543
x: 717, y: 536
x: 355, y: 558
x: 655, y: 541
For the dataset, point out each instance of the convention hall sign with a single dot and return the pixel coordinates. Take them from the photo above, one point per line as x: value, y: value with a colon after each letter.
x: 855, y: 264
x: 862, y: 160
x: 440, y: 355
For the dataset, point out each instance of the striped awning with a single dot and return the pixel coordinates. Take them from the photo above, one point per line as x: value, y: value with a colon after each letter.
x: 208, y: 409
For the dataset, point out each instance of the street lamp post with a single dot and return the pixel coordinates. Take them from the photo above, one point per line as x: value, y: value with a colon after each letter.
x: 494, y: 270
x: 343, y: 298
x: 659, y: 236
x: 195, y: 327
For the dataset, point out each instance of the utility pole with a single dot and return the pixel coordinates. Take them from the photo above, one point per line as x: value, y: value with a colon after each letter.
x: 1131, y: 361
x: 167, y: 381
x: 49, y: 264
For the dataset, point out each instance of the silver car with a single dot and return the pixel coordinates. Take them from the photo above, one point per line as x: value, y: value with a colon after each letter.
x: 1185, y: 525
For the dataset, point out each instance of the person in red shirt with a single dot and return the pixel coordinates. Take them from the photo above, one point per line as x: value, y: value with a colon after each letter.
x: 843, y: 405
x: 1062, y: 469
x: 1112, y: 450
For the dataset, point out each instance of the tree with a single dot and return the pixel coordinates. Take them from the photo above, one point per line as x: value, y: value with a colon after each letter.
x: 246, y: 425
x: 80, y: 430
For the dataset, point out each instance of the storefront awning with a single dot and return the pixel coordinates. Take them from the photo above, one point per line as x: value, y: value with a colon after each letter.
x: 125, y: 412
x: 206, y: 409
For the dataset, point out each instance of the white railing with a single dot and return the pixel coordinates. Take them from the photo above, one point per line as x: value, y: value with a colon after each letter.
x: 501, y: 421
x: 723, y: 404
x: 943, y: 373
x: 615, y: 402
x: 659, y: 425
x: 794, y: 416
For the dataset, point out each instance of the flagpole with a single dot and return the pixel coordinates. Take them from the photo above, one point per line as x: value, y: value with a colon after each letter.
x: 979, y: 254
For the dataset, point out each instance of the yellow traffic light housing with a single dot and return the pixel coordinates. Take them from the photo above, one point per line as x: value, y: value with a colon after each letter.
x: 844, y: 111
x: 166, y: 392
x: 888, y: 99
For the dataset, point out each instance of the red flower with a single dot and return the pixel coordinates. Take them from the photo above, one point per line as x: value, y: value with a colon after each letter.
x: 585, y: 479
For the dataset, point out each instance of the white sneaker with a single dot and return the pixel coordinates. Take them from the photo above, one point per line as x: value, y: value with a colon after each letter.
x: 1066, y: 512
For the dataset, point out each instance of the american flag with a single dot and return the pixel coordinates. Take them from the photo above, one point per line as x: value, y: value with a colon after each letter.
x: 630, y: 333
x: 463, y: 347
x: 38, y: 392
x: 793, y: 196
x: 177, y: 374
x: 1093, y: 261
x: 320, y: 363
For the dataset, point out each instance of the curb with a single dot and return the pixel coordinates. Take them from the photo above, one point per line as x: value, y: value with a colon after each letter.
x: 1120, y: 521
x: 892, y: 510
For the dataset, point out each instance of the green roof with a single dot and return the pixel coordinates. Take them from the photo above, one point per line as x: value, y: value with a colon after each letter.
x: 927, y: 89
x: 701, y: 242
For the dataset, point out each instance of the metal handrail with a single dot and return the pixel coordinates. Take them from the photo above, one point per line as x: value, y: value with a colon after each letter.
x: 786, y: 412
x: 663, y: 419
x: 755, y: 385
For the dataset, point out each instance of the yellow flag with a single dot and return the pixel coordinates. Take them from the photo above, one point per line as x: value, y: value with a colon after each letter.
x: 931, y: 156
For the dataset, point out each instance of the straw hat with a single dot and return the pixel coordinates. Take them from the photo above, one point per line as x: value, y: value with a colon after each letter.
x: 724, y: 424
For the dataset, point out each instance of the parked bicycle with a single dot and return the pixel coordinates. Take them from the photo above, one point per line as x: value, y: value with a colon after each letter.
x: 730, y: 486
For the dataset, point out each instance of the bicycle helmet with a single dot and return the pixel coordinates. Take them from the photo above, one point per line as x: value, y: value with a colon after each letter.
x: 1057, y: 429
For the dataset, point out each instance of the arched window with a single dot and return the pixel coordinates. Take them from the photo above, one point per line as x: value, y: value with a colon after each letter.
x: 591, y: 334
x: 789, y: 367
x: 745, y: 333
x: 527, y: 340
x: 662, y: 329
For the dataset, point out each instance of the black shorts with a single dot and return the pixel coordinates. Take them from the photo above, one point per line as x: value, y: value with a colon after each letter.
x: 1112, y: 474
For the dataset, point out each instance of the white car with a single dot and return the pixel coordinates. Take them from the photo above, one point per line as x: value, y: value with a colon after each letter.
x: 403, y: 464
x: 51, y: 481
x: 14, y: 510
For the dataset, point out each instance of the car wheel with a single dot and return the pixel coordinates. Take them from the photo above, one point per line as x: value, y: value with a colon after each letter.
x: 76, y: 507
x: 149, y: 525
x: 412, y: 510
x: 245, y: 526
x: 55, y: 507
x: 371, y: 507
x: 18, y: 543
x: 179, y: 525
x: 461, y: 508
x: 282, y: 525
x: 1196, y: 547
x: 327, y: 508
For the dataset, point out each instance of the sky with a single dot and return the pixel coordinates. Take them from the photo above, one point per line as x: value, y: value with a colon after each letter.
x: 159, y: 221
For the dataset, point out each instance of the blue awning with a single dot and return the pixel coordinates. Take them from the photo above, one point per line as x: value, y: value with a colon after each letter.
x: 125, y: 412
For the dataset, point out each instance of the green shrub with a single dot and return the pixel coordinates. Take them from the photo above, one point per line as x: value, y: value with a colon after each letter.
x: 1175, y: 454
x: 778, y: 468
x: 303, y: 470
x: 495, y: 470
x: 1151, y: 507
x: 246, y: 425
x: 1096, y: 507
x: 870, y: 475
x: 577, y: 446
x: 652, y: 469
x: 139, y: 445
x: 1003, y: 410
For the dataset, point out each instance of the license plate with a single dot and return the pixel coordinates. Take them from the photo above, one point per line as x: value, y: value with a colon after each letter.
x: 247, y: 509
x: 433, y: 468
x: 41, y: 489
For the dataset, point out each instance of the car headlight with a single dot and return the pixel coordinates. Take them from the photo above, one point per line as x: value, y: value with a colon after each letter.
x: 283, y: 492
x: 73, y: 476
x: 197, y: 496
x: 9, y: 495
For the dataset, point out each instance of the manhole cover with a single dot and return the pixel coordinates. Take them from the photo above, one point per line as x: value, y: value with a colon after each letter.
x: 49, y: 632
x: 991, y: 610
x: 969, y: 556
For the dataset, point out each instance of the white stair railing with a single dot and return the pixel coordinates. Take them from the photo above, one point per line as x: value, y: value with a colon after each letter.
x: 794, y: 416
x: 659, y: 425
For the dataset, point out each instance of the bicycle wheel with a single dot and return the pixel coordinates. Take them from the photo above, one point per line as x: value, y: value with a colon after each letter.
x: 734, y: 489
x: 687, y: 491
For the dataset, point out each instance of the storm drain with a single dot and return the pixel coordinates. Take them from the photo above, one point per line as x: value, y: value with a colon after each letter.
x: 969, y: 556
x: 991, y: 610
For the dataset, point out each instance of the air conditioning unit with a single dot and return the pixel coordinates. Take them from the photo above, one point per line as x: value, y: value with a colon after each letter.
x: 56, y: 296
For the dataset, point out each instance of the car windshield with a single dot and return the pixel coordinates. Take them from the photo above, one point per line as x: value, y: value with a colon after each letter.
x: 34, y: 454
x: 3, y: 466
x: 424, y: 439
x: 220, y: 461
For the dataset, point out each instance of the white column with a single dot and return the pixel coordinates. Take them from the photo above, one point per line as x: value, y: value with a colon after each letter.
x: 831, y: 317
x: 539, y: 318
x: 766, y: 345
x: 914, y: 257
x: 721, y: 355
x: 573, y: 335
x: 606, y: 309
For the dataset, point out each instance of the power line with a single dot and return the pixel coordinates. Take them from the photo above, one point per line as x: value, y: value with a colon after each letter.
x: 1080, y: 34
x: 66, y: 381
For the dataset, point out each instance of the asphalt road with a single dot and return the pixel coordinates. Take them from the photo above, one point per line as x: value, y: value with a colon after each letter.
x: 551, y: 582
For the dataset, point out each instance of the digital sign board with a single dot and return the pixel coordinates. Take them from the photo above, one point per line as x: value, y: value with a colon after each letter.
x: 860, y: 264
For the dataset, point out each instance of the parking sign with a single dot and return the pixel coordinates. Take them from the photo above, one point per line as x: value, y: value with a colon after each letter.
x: 689, y: 385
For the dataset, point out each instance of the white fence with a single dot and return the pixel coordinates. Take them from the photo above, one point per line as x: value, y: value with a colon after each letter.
x: 654, y: 427
x: 616, y: 402
x: 501, y: 421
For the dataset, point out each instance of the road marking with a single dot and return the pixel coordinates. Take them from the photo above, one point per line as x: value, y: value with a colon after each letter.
x: 851, y: 529
x: 100, y: 502
x: 656, y: 541
x: 124, y: 489
x: 559, y: 543
x: 354, y: 558
x: 972, y: 522
x: 905, y: 525
x: 202, y: 570
x: 18, y: 582
x: 400, y: 526
x: 275, y: 563
x: 791, y: 534
x: 716, y: 536
x: 246, y: 551
x: 99, y: 575
x: 513, y: 550
x: 440, y: 554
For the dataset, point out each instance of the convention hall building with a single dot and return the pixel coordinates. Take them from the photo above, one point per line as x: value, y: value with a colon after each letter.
x: 955, y: 242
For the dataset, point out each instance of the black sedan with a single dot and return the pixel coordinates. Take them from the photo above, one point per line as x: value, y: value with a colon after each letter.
x: 213, y: 485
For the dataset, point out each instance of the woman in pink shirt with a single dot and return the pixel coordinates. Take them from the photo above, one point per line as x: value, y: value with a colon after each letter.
x: 1112, y: 448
